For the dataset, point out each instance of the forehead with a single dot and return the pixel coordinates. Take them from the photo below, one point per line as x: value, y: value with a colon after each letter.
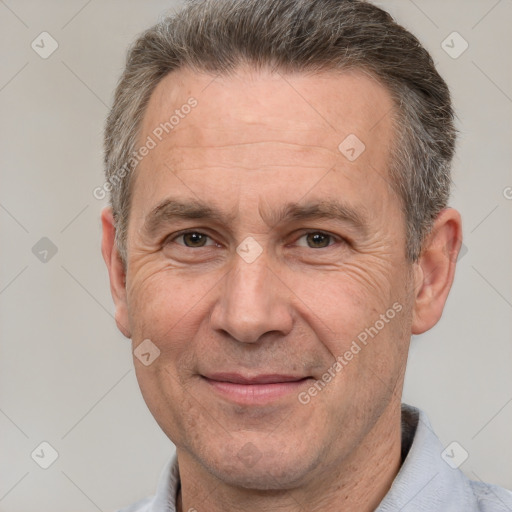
x: 292, y: 128
x: 332, y: 104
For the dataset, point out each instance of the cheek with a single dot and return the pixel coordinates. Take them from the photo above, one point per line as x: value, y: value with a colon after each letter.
x: 163, y: 304
x: 349, y: 297
x: 165, y: 396
x: 362, y: 313
x: 166, y: 310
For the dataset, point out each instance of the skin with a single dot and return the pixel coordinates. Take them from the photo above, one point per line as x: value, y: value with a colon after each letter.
x: 255, y: 141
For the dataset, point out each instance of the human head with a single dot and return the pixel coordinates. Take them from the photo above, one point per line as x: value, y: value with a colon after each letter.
x: 263, y: 135
x: 291, y: 36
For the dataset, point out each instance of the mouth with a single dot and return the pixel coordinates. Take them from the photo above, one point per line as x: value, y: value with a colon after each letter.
x: 254, y: 390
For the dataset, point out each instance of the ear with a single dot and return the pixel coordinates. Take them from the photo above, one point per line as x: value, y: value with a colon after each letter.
x: 435, y: 270
x: 116, y: 271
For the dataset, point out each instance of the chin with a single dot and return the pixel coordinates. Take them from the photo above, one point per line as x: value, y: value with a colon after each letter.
x: 262, y: 478
x: 261, y: 467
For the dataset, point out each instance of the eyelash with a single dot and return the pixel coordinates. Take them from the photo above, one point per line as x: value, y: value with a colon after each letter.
x: 183, y: 233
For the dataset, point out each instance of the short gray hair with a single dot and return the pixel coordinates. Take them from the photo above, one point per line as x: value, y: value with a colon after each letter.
x: 218, y: 36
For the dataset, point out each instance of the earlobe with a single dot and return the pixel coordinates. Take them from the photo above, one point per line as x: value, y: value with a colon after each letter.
x: 435, y: 270
x: 116, y: 271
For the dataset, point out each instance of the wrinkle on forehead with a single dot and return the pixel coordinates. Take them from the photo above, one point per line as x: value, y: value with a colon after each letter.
x: 287, y: 108
x: 251, y: 156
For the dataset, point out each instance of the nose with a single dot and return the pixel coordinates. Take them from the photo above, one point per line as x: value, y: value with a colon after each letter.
x: 253, y: 301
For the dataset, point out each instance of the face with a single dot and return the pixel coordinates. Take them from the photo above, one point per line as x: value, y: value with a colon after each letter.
x: 267, y: 266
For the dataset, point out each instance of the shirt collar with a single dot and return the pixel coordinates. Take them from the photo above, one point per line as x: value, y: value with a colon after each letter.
x: 425, y: 480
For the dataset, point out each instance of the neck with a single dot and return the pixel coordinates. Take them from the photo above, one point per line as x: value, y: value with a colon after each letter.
x: 359, y: 482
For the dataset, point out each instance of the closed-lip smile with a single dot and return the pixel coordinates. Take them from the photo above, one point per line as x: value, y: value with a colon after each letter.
x: 256, y: 389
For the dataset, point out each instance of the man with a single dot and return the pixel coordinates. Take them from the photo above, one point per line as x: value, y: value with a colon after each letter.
x: 279, y: 175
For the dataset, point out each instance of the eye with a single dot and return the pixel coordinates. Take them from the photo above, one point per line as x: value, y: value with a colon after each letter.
x: 317, y: 239
x: 196, y: 240
x: 192, y: 239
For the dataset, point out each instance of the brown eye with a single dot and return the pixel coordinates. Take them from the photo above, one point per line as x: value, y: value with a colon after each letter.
x: 316, y: 240
x: 192, y: 239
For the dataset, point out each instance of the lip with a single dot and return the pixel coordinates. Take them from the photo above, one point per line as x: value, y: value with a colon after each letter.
x: 258, y: 389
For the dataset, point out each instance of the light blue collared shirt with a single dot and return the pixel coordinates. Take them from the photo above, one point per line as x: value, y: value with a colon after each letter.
x: 426, y: 482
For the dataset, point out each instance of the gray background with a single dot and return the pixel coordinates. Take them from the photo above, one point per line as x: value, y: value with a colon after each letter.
x: 66, y: 373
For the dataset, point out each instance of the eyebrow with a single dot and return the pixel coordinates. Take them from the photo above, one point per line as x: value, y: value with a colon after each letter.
x: 172, y: 209
x: 316, y: 210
